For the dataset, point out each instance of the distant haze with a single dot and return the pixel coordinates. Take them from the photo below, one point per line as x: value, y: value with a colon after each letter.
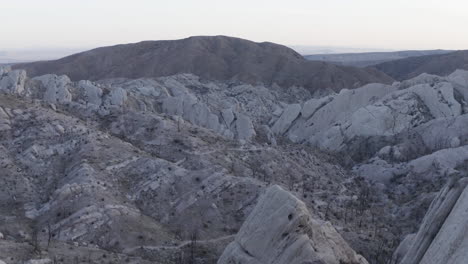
x: 365, y: 24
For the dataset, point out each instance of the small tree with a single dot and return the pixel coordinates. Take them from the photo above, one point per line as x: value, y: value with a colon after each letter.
x: 193, y: 245
x: 49, y: 234
x: 35, y: 238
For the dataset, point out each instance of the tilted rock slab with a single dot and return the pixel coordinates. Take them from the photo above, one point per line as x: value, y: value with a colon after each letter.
x: 281, y: 230
x: 451, y: 243
x: 12, y: 81
x: 443, y: 235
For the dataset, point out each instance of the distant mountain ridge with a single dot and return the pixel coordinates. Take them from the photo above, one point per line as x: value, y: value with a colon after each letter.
x: 442, y: 64
x: 210, y: 57
x: 371, y: 58
x: 12, y: 56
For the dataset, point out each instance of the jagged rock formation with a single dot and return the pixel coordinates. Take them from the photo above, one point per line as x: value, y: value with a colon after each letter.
x: 336, y: 122
x: 214, y: 58
x: 104, y: 171
x: 442, y: 237
x: 441, y: 64
x: 129, y: 168
x: 168, y: 95
x: 407, y: 138
x: 281, y: 230
x: 12, y: 81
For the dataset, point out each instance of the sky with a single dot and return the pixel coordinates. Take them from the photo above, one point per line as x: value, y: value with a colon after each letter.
x: 362, y: 24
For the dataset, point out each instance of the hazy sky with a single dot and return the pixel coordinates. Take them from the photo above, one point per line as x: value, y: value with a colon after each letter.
x: 385, y: 24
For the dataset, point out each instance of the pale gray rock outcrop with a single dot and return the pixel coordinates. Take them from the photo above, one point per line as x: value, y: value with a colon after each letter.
x: 126, y: 181
x: 281, y: 230
x: 244, y: 127
x: 393, y: 114
x: 450, y: 246
x: 90, y: 92
x: 459, y: 77
x: 423, y: 78
x: 178, y: 95
x: 12, y: 81
x: 204, y: 104
x: 286, y: 119
x: 348, y: 120
x: 228, y: 116
x: 149, y: 154
x: 117, y: 97
x: 402, y: 248
x: 441, y: 239
x: 314, y: 104
x: 57, y: 88
x: 336, y: 110
x: 4, y: 120
x: 4, y: 70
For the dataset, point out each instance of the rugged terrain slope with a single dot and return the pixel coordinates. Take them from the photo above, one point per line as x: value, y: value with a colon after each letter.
x: 170, y: 169
x: 140, y: 171
x: 371, y: 58
x: 443, y: 64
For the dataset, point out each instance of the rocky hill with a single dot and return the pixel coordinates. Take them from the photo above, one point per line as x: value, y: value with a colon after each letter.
x: 442, y: 237
x: 442, y: 64
x: 371, y: 58
x: 214, y: 58
x: 174, y: 169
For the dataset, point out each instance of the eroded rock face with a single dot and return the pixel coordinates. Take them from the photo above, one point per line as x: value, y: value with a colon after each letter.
x: 403, y: 248
x: 451, y: 243
x: 286, y: 119
x: 180, y: 95
x: 281, y: 230
x: 442, y: 237
x: 12, y: 81
x: 4, y: 120
x: 57, y: 88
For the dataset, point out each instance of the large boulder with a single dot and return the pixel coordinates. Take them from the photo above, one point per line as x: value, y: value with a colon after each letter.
x: 12, y: 81
x: 90, y: 92
x: 57, y: 88
x: 280, y: 229
x: 287, y: 118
